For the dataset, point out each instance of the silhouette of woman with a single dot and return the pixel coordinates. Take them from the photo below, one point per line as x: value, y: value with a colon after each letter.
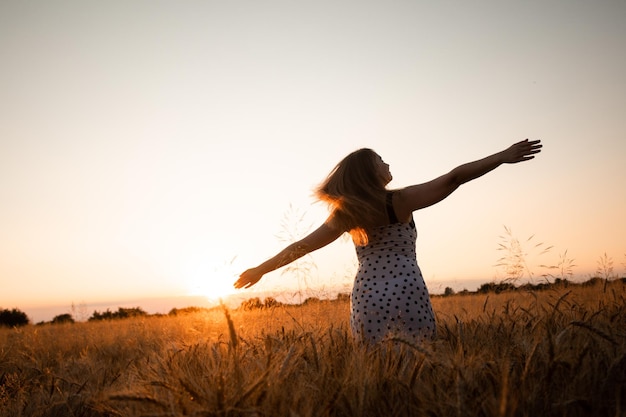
x: 389, y: 297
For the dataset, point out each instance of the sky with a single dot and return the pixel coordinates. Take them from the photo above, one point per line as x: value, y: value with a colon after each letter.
x: 158, y: 149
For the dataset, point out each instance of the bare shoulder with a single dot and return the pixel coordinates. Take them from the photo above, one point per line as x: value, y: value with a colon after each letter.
x: 401, y: 201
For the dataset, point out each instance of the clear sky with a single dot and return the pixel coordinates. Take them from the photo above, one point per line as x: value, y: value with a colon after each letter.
x: 154, y: 148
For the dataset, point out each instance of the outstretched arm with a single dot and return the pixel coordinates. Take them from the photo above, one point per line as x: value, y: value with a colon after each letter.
x: 320, y: 237
x: 423, y: 195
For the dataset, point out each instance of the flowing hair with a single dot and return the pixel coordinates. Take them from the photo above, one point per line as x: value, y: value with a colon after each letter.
x: 355, y: 194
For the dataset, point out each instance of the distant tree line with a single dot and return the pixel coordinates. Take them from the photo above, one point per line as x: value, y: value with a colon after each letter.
x: 256, y: 303
x: 13, y: 318
x: 121, y: 313
x: 63, y: 318
x: 499, y: 287
x: 16, y: 318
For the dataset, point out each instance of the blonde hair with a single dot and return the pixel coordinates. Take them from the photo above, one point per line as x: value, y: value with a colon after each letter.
x: 355, y: 194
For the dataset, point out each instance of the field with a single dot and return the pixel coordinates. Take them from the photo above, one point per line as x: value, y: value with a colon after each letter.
x: 556, y: 352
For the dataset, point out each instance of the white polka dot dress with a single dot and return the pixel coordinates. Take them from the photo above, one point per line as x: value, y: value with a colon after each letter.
x: 389, y: 297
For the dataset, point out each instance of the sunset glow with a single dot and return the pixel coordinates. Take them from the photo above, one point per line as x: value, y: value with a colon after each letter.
x: 214, y: 285
x: 143, y: 145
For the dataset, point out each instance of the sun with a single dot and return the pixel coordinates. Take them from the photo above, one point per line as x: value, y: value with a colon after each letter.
x: 213, y: 283
x: 212, y: 287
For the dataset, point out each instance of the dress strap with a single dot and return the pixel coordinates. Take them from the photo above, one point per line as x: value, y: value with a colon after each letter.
x: 390, y: 211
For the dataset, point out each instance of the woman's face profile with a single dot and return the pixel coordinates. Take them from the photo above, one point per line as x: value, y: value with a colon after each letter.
x: 382, y: 170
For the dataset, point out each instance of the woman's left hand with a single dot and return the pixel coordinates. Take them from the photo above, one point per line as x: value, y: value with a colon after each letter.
x: 521, y: 151
x: 248, y: 278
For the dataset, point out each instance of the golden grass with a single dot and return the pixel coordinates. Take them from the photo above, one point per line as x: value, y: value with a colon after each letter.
x: 560, y: 352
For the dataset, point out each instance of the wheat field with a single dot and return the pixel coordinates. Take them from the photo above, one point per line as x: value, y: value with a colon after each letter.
x: 557, y: 352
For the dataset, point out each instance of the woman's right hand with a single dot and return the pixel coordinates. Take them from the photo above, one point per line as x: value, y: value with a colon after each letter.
x: 248, y: 278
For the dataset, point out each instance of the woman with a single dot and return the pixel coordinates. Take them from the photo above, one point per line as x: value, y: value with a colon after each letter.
x: 389, y: 297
